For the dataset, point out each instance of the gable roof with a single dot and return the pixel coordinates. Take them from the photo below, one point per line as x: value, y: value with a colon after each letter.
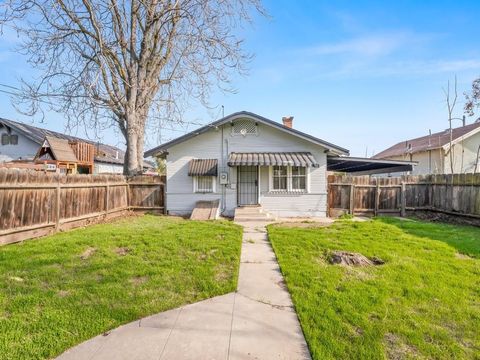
x: 429, y: 142
x: 105, y: 153
x: 246, y: 114
x: 61, y: 149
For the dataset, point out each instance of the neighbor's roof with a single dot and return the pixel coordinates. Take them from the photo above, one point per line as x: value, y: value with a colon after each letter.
x: 305, y: 159
x: 245, y: 114
x: 105, y: 153
x: 429, y: 142
x: 61, y: 150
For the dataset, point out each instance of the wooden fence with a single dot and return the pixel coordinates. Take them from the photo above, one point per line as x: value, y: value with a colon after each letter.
x: 34, y: 204
x: 457, y: 194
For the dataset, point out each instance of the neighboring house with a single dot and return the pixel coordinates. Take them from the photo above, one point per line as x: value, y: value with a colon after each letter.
x: 245, y: 159
x: 432, y: 152
x: 20, y: 141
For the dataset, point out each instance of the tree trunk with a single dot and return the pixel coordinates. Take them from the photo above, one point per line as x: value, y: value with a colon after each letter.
x: 140, y: 149
x: 132, y: 160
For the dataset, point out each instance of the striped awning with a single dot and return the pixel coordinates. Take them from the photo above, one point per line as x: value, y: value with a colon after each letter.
x: 304, y: 159
x: 202, y: 167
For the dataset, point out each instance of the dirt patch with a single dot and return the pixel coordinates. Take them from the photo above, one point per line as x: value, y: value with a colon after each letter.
x: 222, y: 273
x: 63, y: 293
x: 88, y: 253
x: 396, y: 349
x: 138, y: 280
x: 463, y: 256
x: 122, y: 251
x: 434, y: 216
x: 353, y: 259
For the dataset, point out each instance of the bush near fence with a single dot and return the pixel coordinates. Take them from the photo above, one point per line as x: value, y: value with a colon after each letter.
x: 35, y: 204
x: 457, y: 194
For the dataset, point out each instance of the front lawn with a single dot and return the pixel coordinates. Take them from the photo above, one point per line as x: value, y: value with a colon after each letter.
x: 424, y: 302
x: 61, y: 290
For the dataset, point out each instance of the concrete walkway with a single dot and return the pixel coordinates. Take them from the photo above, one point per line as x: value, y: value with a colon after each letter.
x: 256, y: 322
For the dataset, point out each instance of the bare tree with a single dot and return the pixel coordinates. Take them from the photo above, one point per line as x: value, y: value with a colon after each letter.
x: 123, y: 62
x: 451, y: 101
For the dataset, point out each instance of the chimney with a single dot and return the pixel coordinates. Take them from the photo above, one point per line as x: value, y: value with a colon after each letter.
x: 288, y: 121
x: 463, y: 120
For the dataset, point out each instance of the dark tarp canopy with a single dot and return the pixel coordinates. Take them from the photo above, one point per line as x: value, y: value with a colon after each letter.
x: 364, y: 166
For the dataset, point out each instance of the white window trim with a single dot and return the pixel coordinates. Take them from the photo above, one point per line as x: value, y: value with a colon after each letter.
x: 289, y: 182
x: 195, y: 185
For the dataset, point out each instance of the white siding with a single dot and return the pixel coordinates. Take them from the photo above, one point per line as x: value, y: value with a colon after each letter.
x: 25, y: 149
x: 181, y: 199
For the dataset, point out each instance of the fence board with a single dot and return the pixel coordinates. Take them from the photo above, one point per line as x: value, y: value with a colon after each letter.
x: 456, y: 194
x: 29, y: 205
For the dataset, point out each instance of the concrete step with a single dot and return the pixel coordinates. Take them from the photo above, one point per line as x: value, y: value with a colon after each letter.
x: 252, y: 214
x: 253, y: 218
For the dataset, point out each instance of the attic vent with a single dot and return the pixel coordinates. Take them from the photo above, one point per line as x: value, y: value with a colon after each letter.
x: 244, y: 127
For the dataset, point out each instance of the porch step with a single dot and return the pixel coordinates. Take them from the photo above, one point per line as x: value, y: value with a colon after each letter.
x: 252, y: 214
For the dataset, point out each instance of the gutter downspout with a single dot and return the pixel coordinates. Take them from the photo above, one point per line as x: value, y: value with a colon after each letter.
x: 222, y: 200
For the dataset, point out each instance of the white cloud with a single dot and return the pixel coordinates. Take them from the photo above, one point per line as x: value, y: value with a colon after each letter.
x: 368, y: 46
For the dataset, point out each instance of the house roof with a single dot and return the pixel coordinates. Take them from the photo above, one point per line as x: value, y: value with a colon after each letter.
x: 429, y: 142
x: 61, y: 150
x: 105, y: 153
x: 242, y: 114
x: 304, y: 159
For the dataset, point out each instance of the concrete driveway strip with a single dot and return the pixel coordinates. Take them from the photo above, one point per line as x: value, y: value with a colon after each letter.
x: 258, y: 321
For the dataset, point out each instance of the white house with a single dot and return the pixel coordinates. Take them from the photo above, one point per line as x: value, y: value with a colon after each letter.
x: 434, y: 154
x: 245, y: 159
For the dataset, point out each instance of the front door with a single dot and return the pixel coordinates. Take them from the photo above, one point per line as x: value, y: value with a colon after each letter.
x: 247, y: 185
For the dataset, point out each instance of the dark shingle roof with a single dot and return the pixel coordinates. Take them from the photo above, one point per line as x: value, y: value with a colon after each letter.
x: 424, y: 143
x: 261, y: 119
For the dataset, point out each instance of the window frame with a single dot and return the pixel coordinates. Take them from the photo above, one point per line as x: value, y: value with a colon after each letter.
x: 280, y: 177
x: 289, y: 177
x: 7, y: 139
x: 13, y: 137
x: 196, y: 189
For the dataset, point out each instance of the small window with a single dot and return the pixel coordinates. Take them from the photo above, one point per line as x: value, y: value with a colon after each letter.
x: 14, y: 139
x: 280, y: 178
x: 5, y: 139
x: 204, y: 184
x: 299, y: 178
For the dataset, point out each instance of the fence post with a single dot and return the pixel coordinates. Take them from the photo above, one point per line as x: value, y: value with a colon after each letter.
x: 403, y: 200
x: 377, y: 197
x: 57, y: 207
x: 352, y: 199
x: 107, y: 188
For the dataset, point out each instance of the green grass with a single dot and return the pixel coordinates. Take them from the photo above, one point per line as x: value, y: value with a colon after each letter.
x: 58, y: 291
x: 424, y: 302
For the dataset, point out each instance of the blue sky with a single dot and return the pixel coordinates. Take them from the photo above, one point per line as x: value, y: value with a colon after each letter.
x: 356, y: 73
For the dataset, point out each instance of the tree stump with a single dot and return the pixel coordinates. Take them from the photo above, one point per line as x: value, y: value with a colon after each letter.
x: 353, y: 259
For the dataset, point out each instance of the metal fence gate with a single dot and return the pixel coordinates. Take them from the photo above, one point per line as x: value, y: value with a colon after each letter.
x: 247, y: 185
